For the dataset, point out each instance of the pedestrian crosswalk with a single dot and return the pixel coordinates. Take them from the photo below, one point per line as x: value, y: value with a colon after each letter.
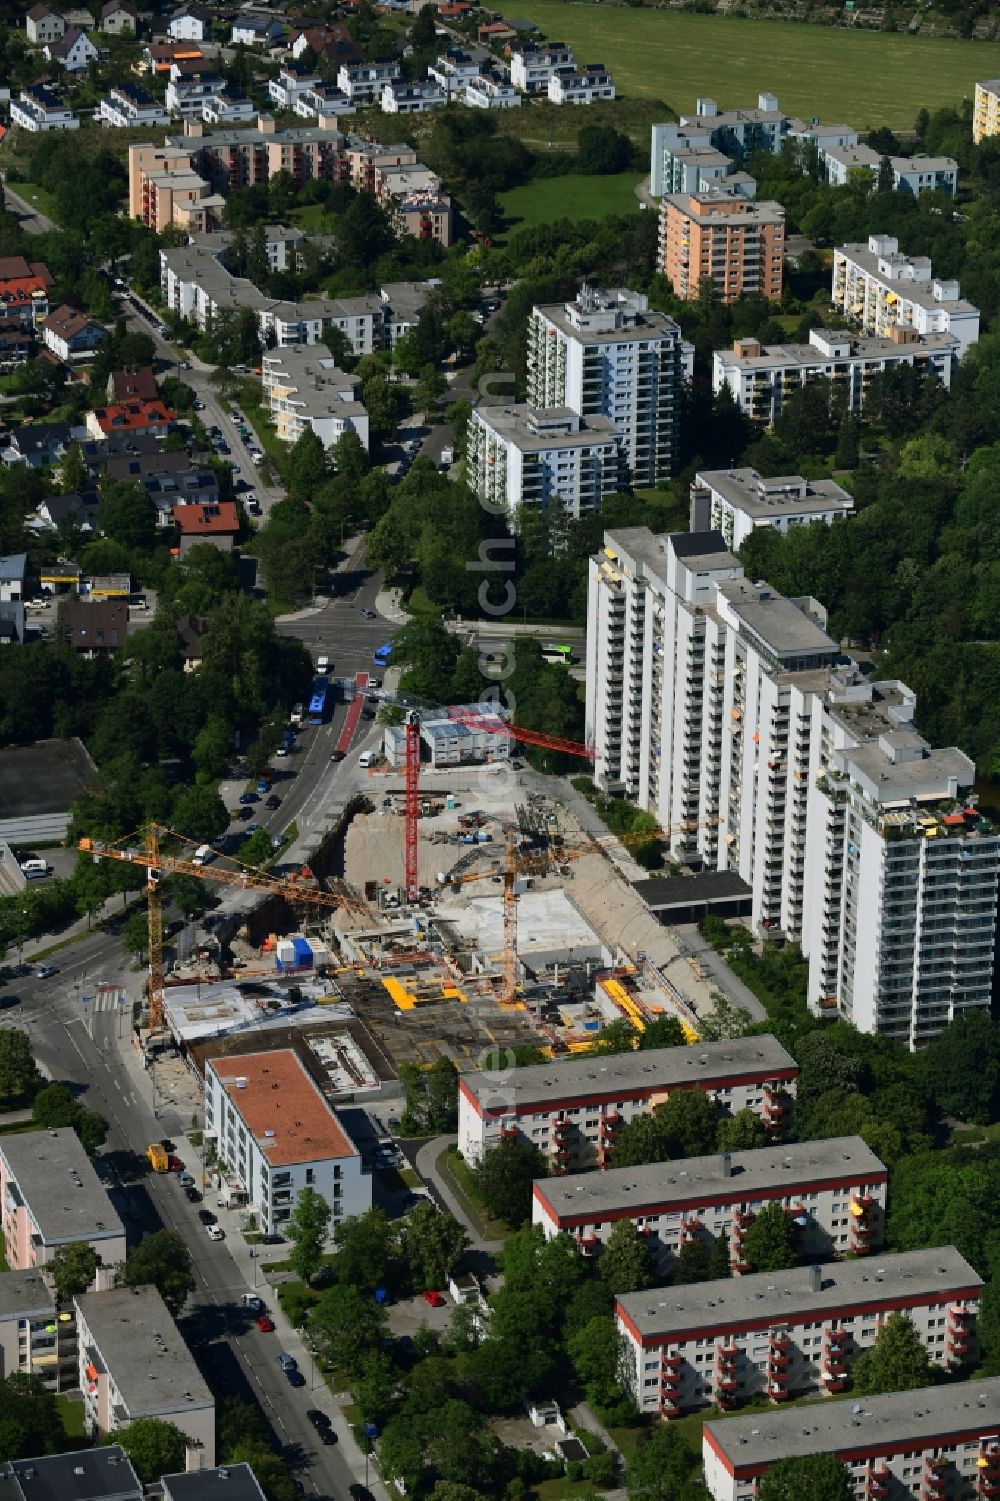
x: 102, y: 998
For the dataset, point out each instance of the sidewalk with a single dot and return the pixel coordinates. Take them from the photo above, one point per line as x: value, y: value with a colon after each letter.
x: 387, y: 604
x: 426, y: 1165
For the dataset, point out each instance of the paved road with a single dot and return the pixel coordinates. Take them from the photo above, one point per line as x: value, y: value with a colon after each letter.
x: 32, y: 222
x: 77, y: 1045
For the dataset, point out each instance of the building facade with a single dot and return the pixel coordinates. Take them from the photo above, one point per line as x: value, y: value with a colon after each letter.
x: 939, y: 1441
x: 733, y: 241
x: 573, y: 1109
x: 38, y: 109
x: 834, y: 1189
x: 273, y: 1129
x: 50, y: 1196
x: 133, y: 1363
x: 607, y: 354
x: 986, y: 110
x: 761, y: 379
x: 306, y: 390
x: 878, y: 287
x: 586, y: 85
x: 523, y: 456
x: 784, y: 1334
x: 532, y: 64
x: 37, y: 1338
x: 728, y: 712
x: 736, y: 502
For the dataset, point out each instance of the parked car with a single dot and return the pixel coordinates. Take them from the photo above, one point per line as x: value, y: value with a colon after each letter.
x: 192, y: 1194
x: 215, y: 1232
x: 185, y: 1180
x: 273, y: 801
x: 265, y: 1324
x: 318, y: 1419
x: 251, y: 1301
x: 244, y: 813
x: 433, y: 1297
x: 272, y: 1239
x: 6, y: 1001
x: 248, y: 797
x: 252, y: 828
x: 294, y: 1378
x: 174, y: 1163
x: 206, y: 1216
x: 287, y: 1362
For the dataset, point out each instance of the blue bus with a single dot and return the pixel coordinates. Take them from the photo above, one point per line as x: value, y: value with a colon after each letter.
x: 317, y: 701
x: 381, y: 654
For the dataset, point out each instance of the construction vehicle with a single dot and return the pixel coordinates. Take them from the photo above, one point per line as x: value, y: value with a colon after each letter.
x: 157, y: 864
x: 159, y: 1161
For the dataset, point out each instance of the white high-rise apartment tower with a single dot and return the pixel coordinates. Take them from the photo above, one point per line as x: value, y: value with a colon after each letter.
x: 730, y: 714
x: 606, y: 354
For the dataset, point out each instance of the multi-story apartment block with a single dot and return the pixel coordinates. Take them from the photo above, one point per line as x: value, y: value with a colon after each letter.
x: 24, y: 292
x: 454, y: 70
x: 363, y: 82
x: 986, y: 110
x: 400, y: 98
x: 733, y: 241
x: 133, y: 1363
x: 910, y: 174
x: 323, y: 99
x: 491, y: 93
x: 50, y: 1196
x: 581, y: 85
x: 39, y: 109
x: 304, y: 389
x: 273, y: 1129
x: 532, y: 64
x: 935, y: 1442
x: 606, y: 354
x: 128, y: 106
x: 685, y: 161
x: 783, y: 1334
x: 878, y: 287
x: 835, y: 1190
x: 525, y: 456
x: 731, y: 715
x: 740, y: 132
x: 227, y: 108
x: 188, y: 94
x: 761, y: 379
x: 736, y: 502
x: 37, y: 1337
x: 902, y: 870
x: 573, y: 1109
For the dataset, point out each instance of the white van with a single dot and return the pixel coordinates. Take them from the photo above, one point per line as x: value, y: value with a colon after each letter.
x: 203, y: 855
x: 366, y: 758
x: 34, y: 869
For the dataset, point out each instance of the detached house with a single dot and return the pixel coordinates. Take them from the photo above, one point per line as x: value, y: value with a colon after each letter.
x: 70, y: 334
x: 118, y: 18
x: 130, y: 417
x: 191, y: 23
x: 43, y: 24
x: 218, y: 524
x: 74, y: 51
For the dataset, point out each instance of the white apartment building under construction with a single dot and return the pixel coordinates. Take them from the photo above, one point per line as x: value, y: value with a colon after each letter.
x: 605, y: 353
x: 730, y: 714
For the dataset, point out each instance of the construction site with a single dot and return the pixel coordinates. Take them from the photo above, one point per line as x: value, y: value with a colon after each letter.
x: 448, y: 912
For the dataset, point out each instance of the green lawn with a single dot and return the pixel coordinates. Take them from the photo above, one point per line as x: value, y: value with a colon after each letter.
x: 572, y: 198
x: 70, y: 1405
x: 451, y: 1166
x: 861, y: 78
x: 39, y: 198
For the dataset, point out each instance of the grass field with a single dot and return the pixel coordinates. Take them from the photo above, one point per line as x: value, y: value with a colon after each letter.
x: 571, y: 198
x: 860, y: 78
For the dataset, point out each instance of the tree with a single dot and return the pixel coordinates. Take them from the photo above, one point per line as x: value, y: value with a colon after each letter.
x: 688, y: 1123
x: 896, y: 1362
x: 258, y: 849
x: 374, y: 1388
x: 163, y: 1260
x: 306, y: 467
x: 594, y: 1351
x: 365, y: 1249
x: 770, y: 1244
x: 155, y: 1447
x: 809, y: 1477
x: 307, y: 1231
x: 432, y: 1244
x: 201, y: 814
x: 30, y: 1422
x: 348, y: 1327
x: 431, y: 1093
x: 19, y: 1076
x: 660, y: 1467
x: 741, y: 1132
x: 503, y: 1179
x: 626, y: 1264
x: 662, y: 1032
x: 963, y: 1068
x: 127, y: 514
x: 73, y: 1269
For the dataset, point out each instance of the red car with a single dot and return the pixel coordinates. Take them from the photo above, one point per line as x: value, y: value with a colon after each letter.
x: 433, y: 1298
x: 175, y: 1164
x: 265, y: 1324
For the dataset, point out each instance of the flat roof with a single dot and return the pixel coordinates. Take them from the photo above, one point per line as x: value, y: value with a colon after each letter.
x: 143, y: 1351
x: 57, y: 1181
x: 281, y: 1107
x: 920, y: 293
x: 681, y: 891
x: 223, y: 1483
x: 778, y: 623
x: 900, y: 1421
x: 24, y: 1292
x: 584, y: 1197
x: 514, y: 426
x: 751, y: 493
x: 638, y: 1073
x: 775, y: 1298
x: 83, y: 1475
x: 862, y: 347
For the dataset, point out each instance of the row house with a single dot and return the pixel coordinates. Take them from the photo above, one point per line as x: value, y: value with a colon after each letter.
x: 127, y: 106
x: 586, y: 85
x: 38, y: 109
x: 363, y: 83
x: 573, y: 1109
x: 834, y: 1190
x: 785, y: 1334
